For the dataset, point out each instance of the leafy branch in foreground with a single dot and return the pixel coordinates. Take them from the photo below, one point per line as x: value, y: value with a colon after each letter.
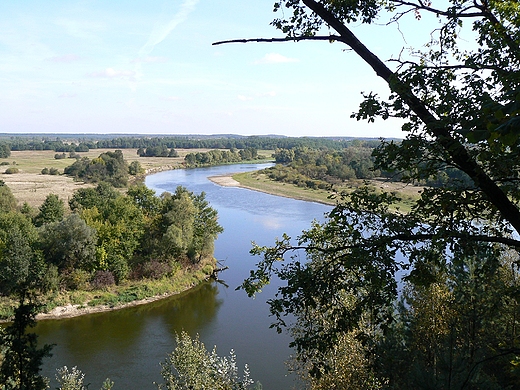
x: 431, y: 295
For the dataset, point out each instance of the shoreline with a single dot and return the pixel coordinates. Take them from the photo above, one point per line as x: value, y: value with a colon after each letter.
x: 227, y: 180
x: 77, y: 310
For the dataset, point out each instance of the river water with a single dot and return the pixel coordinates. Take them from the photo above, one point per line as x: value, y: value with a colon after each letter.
x: 128, y: 345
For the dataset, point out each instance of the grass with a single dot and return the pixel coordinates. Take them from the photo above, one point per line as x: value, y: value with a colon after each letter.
x: 260, y: 182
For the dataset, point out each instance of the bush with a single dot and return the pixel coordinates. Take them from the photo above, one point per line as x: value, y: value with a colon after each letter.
x: 4, y: 163
x: 45, y: 171
x: 51, y: 279
x: 10, y: 171
x: 152, y: 269
x: 75, y: 279
x: 54, y: 171
x: 102, y: 280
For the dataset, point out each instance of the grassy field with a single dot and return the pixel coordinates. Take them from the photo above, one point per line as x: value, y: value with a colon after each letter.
x: 29, y: 185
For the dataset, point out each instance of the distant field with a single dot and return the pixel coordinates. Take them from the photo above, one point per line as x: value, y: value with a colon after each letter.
x: 29, y: 185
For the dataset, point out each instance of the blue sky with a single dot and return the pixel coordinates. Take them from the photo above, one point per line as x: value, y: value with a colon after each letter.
x: 148, y: 67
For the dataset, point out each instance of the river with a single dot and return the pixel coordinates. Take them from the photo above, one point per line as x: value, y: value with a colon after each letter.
x: 128, y: 345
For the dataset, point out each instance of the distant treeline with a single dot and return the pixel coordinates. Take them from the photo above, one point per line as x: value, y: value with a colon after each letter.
x: 163, y: 143
x: 218, y: 157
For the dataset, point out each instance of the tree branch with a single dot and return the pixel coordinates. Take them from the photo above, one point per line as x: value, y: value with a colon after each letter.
x: 456, y: 150
x: 286, y: 39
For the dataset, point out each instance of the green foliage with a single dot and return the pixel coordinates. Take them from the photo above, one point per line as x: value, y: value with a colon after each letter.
x: 192, y: 366
x: 135, y: 168
x: 21, y: 357
x: 460, y: 104
x: 7, y: 199
x: 69, y: 244
x: 74, y: 380
x: 216, y: 157
x: 21, y: 268
x: 51, y: 210
x: 109, y: 167
x: 11, y: 170
x: 5, y: 150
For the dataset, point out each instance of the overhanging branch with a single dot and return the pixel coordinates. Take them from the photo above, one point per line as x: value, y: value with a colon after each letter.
x: 329, y: 38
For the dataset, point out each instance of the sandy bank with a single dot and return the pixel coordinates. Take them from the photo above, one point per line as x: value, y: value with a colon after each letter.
x: 225, y: 180
x: 70, y: 310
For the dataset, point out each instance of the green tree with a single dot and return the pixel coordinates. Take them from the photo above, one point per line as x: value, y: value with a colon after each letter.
x: 192, y: 366
x: 51, y: 210
x: 460, y: 105
x: 7, y: 199
x: 21, y: 358
x: 69, y: 244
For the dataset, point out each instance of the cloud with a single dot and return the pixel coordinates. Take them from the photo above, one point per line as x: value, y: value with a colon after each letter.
x: 67, y: 95
x: 257, y: 95
x: 148, y: 59
x: 67, y: 58
x: 111, y: 73
x: 275, y: 58
x: 81, y: 29
x: 170, y: 98
x: 162, y: 30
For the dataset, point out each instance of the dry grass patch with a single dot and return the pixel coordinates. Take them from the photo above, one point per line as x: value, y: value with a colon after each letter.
x: 29, y: 185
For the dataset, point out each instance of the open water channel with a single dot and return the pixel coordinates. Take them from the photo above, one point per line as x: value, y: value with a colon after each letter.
x: 128, y: 345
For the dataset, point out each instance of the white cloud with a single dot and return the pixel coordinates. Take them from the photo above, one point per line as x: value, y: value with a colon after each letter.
x: 275, y: 58
x: 81, y: 29
x: 162, y: 30
x: 244, y: 98
x: 111, y: 73
x: 148, y: 59
x: 171, y: 98
x: 67, y: 58
x: 67, y: 95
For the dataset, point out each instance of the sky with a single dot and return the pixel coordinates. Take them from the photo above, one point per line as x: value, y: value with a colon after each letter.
x: 149, y: 67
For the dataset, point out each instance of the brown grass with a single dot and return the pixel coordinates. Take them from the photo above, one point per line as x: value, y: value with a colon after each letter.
x: 30, y: 186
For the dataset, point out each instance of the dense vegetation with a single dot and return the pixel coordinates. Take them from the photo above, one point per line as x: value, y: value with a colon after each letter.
x: 105, y: 238
x: 109, y: 167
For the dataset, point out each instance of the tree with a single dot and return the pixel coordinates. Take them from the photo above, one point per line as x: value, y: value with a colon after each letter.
x: 7, y: 199
x: 21, y: 357
x: 461, y: 107
x: 192, y: 366
x: 69, y: 244
x: 51, y: 210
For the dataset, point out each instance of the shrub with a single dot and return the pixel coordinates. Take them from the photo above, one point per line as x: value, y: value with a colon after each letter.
x: 11, y: 170
x: 102, y: 280
x: 45, y: 171
x: 54, y: 171
x: 152, y: 269
x: 75, y: 279
x: 4, y: 163
x: 51, y: 279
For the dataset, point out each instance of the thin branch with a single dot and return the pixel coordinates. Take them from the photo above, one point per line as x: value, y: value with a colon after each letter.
x: 421, y: 6
x: 286, y: 39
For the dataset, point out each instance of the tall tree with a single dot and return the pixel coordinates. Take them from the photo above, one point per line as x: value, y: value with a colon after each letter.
x: 461, y: 105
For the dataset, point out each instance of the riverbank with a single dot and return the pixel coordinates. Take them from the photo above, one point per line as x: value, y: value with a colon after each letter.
x: 258, y: 181
x: 67, y: 304
x: 254, y: 181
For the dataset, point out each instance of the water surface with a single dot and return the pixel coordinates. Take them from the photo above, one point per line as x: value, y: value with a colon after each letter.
x: 127, y: 345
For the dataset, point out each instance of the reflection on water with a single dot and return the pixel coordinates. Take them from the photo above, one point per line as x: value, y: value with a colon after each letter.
x: 129, y: 344
x: 117, y: 344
